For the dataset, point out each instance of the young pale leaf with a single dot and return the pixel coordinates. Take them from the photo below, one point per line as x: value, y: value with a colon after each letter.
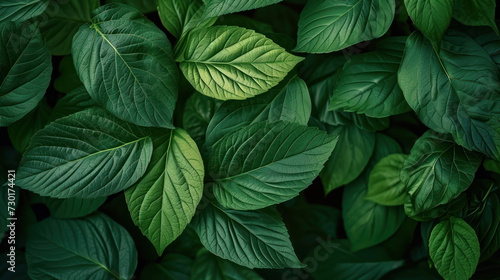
x: 289, y: 101
x: 92, y: 248
x: 229, y: 62
x: 224, y: 7
x: 171, y: 267
x: 476, y: 13
x: 180, y: 16
x: 385, y: 186
x: 208, y: 266
x: 432, y: 17
x: 72, y: 207
x: 127, y: 66
x: 198, y: 112
x: 88, y: 154
x: 349, y: 157
x: 456, y: 91
x: 21, y: 10
x: 436, y: 171
x: 25, y: 69
x: 267, y: 163
x: 60, y: 27
x: 454, y: 249
x: 255, y: 239
x: 332, y: 25
x: 164, y: 201
x: 368, y: 85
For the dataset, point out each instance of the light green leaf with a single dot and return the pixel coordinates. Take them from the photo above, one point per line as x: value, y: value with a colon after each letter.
x: 436, y: 171
x: 476, y: 13
x: 60, y: 27
x: 198, y: 112
x: 86, y: 155
x: 454, y: 249
x: 432, y: 17
x: 224, y: 7
x: 255, y: 239
x: 332, y: 25
x: 228, y: 62
x: 126, y: 65
x: 267, y: 163
x: 72, y: 207
x: 171, y: 267
x: 289, y: 101
x: 25, y: 69
x: 349, y: 157
x: 456, y: 92
x: 210, y: 267
x: 180, y: 16
x: 92, y: 248
x: 21, y: 10
x: 21, y: 132
x: 368, y: 85
x: 75, y: 101
x: 366, y: 222
x: 385, y: 186
x: 164, y: 201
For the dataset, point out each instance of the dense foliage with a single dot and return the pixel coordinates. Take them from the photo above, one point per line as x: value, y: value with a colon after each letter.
x: 250, y: 139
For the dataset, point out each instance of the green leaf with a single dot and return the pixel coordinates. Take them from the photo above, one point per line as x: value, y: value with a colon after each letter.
x: 255, y: 239
x: 492, y: 165
x: 171, y: 267
x: 164, y: 201
x: 86, y: 155
x: 366, y: 222
x: 341, y: 263
x: 224, y: 7
x: 282, y: 19
x: 436, y: 171
x: 210, y: 267
x: 385, y: 186
x: 21, y: 10
x: 349, y: 157
x: 245, y: 22
x: 289, y: 101
x: 180, y: 16
x: 68, y: 80
x: 267, y: 163
x: 368, y: 84
x: 432, y: 17
x: 454, y: 249
x: 145, y: 6
x: 198, y: 112
x: 332, y: 25
x: 72, y: 207
x: 228, y: 62
x: 62, y: 25
x: 21, y: 132
x: 75, y: 101
x: 25, y: 69
x: 92, y: 248
x: 476, y: 13
x: 127, y: 66
x: 456, y: 92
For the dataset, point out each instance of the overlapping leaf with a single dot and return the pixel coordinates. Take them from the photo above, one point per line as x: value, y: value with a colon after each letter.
x: 180, y: 16
x: 432, y: 17
x: 223, y: 7
x: 126, y: 65
x: 88, y: 154
x: 21, y: 10
x: 164, y: 201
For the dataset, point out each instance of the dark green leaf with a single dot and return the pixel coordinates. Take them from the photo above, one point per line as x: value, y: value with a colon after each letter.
x: 75, y: 101
x: 72, y: 207
x: 224, y: 7
x: 267, y: 163
x: 432, y: 17
x: 198, y: 112
x: 86, y: 155
x: 25, y: 69
x: 145, y: 6
x: 92, y: 248
x: 171, y: 267
x: 385, y: 186
x: 476, y: 13
x: 21, y: 10
x: 126, y: 64
x: 69, y: 79
x: 210, y: 267
x: 180, y: 16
